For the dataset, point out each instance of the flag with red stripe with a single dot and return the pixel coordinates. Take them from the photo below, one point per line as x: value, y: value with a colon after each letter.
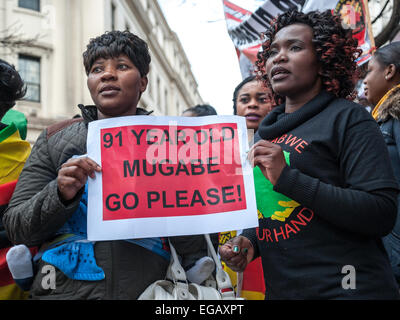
x: 13, y: 154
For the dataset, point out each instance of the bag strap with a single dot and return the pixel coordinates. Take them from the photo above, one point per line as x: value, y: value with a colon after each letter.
x: 177, y: 271
x: 177, y: 274
x: 224, y: 283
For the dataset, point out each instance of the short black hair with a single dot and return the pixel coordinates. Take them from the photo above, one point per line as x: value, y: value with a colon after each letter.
x: 389, y: 54
x: 12, y: 87
x: 237, y: 89
x: 114, y: 43
x: 202, y: 110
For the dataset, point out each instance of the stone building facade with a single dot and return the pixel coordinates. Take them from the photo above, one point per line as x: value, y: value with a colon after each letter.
x: 58, y: 32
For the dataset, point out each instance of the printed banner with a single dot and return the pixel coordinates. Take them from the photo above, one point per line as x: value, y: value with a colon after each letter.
x: 246, y: 20
x: 169, y: 176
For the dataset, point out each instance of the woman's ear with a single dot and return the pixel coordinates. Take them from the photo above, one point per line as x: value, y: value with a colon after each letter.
x: 143, y: 84
x: 390, y: 72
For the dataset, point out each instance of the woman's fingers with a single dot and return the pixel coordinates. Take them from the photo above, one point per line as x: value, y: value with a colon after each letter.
x: 88, y: 166
x: 237, y: 253
x: 262, y: 147
x: 269, y: 158
x: 74, y: 172
x: 73, y: 176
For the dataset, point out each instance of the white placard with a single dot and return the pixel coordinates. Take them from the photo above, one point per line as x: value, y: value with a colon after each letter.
x: 169, y: 176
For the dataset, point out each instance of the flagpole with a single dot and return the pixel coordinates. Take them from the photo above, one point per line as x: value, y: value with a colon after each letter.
x: 369, y: 26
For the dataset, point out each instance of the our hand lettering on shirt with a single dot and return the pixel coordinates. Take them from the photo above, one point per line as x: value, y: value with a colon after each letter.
x: 269, y: 158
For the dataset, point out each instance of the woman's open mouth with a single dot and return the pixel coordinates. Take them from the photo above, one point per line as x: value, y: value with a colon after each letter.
x: 279, y: 73
x: 109, y: 90
x: 253, y: 117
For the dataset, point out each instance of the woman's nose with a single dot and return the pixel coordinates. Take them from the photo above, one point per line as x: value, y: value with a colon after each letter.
x: 281, y: 56
x: 253, y: 104
x: 109, y: 74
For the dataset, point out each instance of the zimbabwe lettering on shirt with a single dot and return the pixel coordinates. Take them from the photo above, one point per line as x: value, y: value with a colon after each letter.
x: 298, y: 144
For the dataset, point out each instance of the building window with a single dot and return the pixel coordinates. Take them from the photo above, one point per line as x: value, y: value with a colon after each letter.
x: 29, y: 4
x: 29, y: 69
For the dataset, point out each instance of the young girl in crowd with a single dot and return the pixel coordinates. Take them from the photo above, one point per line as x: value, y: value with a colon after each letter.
x: 382, y: 88
x: 328, y: 195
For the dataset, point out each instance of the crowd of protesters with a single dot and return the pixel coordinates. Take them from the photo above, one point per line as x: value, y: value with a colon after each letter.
x: 343, y: 185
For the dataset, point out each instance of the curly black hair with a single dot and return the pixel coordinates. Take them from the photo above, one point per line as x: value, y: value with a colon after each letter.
x: 12, y: 87
x: 114, y: 43
x: 335, y: 47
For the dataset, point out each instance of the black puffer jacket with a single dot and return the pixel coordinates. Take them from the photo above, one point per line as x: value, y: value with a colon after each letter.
x: 36, y: 213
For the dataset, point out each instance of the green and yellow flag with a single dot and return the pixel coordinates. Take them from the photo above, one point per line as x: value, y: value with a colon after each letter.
x: 14, y: 152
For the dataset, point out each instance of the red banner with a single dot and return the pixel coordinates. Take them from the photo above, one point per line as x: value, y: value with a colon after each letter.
x: 143, y: 178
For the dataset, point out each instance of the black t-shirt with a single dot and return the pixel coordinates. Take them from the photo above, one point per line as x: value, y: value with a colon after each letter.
x: 321, y: 225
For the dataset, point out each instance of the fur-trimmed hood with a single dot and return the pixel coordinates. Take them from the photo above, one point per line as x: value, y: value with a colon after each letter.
x: 391, y: 106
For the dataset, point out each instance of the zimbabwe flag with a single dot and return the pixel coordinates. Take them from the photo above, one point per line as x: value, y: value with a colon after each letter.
x: 13, y: 154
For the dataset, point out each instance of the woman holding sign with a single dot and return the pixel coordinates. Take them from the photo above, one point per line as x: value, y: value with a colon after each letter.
x: 323, y: 184
x: 50, y: 202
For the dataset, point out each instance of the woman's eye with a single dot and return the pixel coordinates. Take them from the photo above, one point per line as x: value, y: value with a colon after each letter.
x: 295, y: 48
x: 272, y: 53
x: 244, y: 100
x: 122, y: 67
x: 96, y: 70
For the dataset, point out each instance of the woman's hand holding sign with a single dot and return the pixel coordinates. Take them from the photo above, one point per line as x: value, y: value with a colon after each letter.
x: 237, y: 253
x: 73, y: 176
x: 269, y: 158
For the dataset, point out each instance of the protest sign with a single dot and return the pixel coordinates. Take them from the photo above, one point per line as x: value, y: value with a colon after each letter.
x: 169, y: 176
